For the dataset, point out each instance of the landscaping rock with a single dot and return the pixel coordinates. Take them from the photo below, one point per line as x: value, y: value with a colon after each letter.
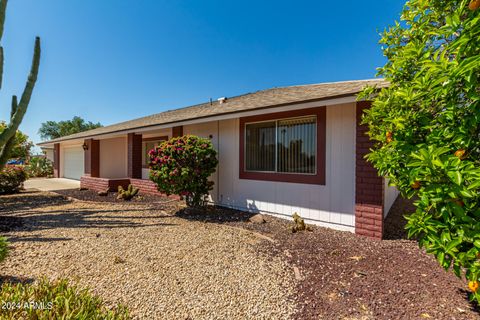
x: 258, y: 218
x: 102, y: 193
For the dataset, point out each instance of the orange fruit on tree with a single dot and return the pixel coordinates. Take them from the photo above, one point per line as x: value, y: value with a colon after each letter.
x: 473, y: 285
x: 474, y: 5
x: 459, y: 202
x: 416, y: 185
x: 389, y: 136
x: 461, y: 153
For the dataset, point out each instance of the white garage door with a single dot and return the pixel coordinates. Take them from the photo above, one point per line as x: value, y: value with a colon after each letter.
x: 73, y: 162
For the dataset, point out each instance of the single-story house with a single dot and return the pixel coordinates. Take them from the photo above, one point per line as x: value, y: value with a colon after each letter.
x: 283, y: 150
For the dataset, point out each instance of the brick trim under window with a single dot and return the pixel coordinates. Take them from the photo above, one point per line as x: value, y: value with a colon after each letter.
x: 318, y: 178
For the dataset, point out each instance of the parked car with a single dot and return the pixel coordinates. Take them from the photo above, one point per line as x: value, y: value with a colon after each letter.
x: 16, y: 162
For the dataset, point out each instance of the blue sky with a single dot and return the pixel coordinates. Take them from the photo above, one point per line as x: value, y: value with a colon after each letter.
x: 111, y: 61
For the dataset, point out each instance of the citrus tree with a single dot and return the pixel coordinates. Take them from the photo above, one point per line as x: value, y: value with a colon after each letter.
x: 182, y: 166
x: 426, y: 125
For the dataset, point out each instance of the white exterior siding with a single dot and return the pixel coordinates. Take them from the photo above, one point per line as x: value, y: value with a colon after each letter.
x: 332, y: 204
x: 113, y: 158
x: 390, y: 194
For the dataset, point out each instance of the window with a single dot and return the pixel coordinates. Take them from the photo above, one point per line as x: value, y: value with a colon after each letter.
x: 147, y: 145
x: 285, y: 146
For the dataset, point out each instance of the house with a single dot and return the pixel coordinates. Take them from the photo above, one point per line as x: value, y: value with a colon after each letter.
x: 283, y: 150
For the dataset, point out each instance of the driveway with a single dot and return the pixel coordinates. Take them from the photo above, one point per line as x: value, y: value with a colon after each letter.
x: 51, y: 184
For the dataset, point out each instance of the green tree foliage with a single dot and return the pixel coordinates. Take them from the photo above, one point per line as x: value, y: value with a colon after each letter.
x: 182, y: 166
x: 52, y: 129
x: 21, y: 145
x: 426, y: 125
x: 18, y: 108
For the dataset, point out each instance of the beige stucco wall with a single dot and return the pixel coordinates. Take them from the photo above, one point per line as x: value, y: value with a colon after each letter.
x: 48, y: 154
x: 113, y: 158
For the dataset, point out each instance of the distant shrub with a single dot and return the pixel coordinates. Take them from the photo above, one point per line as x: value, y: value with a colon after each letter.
x: 3, y: 248
x: 182, y: 166
x: 12, y: 179
x: 39, y: 167
x: 54, y: 300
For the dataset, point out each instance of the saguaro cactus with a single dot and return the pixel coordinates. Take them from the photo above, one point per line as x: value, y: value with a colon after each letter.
x: 7, y: 136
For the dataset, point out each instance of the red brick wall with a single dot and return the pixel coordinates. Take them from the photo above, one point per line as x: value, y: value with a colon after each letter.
x: 102, y: 184
x: 368, y: 185
x: 145, y: 186
x: 97, y: 184
x: 134, y: 161
x: 56, y: 160
x: 92, y: 158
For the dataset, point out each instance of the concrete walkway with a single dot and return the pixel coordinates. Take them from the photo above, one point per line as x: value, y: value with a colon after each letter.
x: 51, y: 184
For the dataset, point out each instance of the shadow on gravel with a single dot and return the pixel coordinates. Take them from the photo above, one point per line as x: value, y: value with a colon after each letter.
x: 8, y: 223
x: 214, y: 214
x: 473, y: 305
x: 395, y: 222
x: 13, y: 279
x: 37, y: 239
x: 30, y: 199
x: 21, y: 211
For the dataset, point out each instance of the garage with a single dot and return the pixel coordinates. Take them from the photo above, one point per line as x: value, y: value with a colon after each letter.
x: 73, y: 162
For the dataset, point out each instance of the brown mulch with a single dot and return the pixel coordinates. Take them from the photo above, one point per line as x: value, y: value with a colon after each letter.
x: 345, y: 276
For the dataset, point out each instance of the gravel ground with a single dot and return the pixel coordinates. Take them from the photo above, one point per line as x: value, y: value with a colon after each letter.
x: 161, y: 267
x: 344, y: 276
x: 232, y: 268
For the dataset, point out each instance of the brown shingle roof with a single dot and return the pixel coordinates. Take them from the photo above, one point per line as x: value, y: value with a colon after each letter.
x: 251, y: 101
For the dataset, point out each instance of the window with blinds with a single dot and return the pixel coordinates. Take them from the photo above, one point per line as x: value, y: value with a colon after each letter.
x: 284, y: 146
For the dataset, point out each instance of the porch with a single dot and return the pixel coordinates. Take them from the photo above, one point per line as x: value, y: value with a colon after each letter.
x: 110, y: 162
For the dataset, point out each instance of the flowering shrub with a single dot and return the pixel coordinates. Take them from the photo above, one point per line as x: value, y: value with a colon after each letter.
x: 39, y: 167
x: 12, y: 178
x: 182, y: 166
x: 426, y: 125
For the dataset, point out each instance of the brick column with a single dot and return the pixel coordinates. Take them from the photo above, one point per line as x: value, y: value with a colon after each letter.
x: 56, y: 160
x: 92, y: 158
x: 177, y: 131
x: 134, y: 156
x: 368, y: 185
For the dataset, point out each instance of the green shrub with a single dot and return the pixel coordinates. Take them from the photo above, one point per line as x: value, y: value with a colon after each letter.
x: 3, y: 248
x: 12, y: 179
x: 182, y: 166
x: 39, y: 167
x: 127, y: 194
x: 426, y: 125
x: 54, y: 300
